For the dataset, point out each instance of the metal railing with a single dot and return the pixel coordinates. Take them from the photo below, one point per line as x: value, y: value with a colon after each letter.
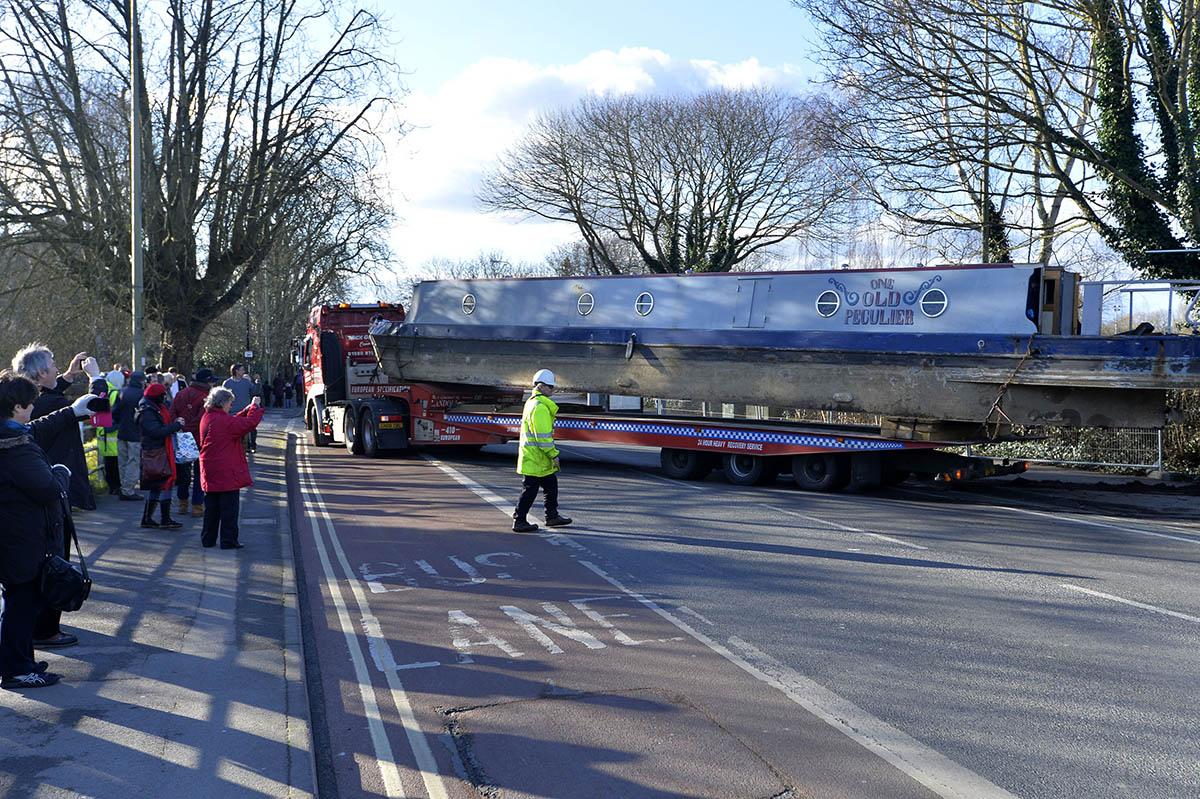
x: 1097, y: 292
x: 1123, y: 448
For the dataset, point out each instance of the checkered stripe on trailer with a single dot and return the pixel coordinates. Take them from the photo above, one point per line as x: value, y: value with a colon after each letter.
x: 650, y: 428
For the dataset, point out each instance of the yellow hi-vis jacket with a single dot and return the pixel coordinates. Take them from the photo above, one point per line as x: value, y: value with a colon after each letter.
x: 537, y: 456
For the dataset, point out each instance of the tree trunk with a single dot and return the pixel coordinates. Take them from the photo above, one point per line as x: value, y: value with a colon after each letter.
x: 179, y: 346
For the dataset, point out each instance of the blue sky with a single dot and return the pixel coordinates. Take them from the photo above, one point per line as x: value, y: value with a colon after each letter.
x: 480, y: 72
x: 438, y: 38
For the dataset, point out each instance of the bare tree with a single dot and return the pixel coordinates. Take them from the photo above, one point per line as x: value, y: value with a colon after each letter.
x: 488, y: 264
x: 691, y: 183
x: 578, y: 258
x: 31, y: 294
x: 1030, y: 118
x: 334, y: 239
x: 250, y: 107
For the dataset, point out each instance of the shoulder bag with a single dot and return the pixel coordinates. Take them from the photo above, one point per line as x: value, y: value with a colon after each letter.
x: 155, y: 466
x: 65, y: 585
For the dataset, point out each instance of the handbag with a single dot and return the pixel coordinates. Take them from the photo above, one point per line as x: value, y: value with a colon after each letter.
x: 186, y: 450
x: 156, y: 468
x: 65, y: 585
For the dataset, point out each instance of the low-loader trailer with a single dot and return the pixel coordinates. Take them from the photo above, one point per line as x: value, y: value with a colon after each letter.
x: 350, y: 401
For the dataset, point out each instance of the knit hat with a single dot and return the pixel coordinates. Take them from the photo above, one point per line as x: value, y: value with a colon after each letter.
x: 154, y: 391
x: 204, y: 376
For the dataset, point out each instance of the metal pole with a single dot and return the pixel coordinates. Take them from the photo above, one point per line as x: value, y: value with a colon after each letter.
x: 135, y: 187
x: 987, y: 140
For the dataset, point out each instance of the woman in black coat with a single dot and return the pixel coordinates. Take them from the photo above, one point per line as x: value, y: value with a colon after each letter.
x: 158, y: 427
x: 31, y: 493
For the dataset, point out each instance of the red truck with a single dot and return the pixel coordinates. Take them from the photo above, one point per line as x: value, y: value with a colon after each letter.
x: 349, y: 400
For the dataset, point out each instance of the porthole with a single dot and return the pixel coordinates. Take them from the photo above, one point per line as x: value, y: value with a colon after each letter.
x: 644, y: 303
x: 828, y: 303
x: 934, y: 303
x: 468, y: 304
x: 586, y: 303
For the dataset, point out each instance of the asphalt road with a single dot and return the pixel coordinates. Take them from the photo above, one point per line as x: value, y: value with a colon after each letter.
x: 701, y: 639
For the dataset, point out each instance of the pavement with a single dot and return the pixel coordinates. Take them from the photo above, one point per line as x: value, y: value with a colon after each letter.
x: 188, y: 676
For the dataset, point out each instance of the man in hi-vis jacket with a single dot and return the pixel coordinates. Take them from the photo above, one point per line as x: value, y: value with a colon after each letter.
x: 537, y: 458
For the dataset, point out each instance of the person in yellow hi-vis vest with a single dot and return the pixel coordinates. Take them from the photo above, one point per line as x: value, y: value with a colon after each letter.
x: 537, y: 458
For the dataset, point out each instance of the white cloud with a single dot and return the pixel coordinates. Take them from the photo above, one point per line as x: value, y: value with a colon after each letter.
x: 459, y: 130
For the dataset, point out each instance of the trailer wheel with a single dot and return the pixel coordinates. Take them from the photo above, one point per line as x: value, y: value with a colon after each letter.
x: 684, y: 464
x: 351, y: 433
x: 750, y: 470
x: 369, y: 434
x: 318, y: 438
x: 821, y: 472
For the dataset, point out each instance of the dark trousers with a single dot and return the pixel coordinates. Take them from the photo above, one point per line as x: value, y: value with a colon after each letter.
x: 221, y: 516
x: 21, y: 605
x: 187, y: 475
x: 112, y: 473
x: 549, y: 486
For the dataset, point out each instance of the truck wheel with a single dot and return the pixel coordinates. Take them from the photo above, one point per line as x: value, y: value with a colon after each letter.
x: 685, y: 464
x: 350, y: 433
x: 369, y: 434
x: 750, y: 470
x: 319, y: 439
x: 821, y: 472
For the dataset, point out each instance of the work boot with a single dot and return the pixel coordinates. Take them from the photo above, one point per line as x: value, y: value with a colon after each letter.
x: 197, y: 510
x: 167, y: 522
x: 557, y: 521
x: 181, y: 506
x: 147, y: 514
x: 522, y: 526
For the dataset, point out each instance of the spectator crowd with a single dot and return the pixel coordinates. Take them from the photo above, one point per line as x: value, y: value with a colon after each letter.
x: 156, y: 433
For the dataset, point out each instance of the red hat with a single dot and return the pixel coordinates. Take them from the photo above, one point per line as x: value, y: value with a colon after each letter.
x: 154, y: 390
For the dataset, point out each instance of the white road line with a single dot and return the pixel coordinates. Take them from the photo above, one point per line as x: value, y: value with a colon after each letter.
x: 883, y: 537
x: 1090, y: 523
x: 927, y: 766
x: 805, y: 516
x: 694, y: 614
x: 575, y: 451
x: 384, y: 755
x: 426, y: 764
x: 676, y: 483
x: 1113, y: 598
x: 1060, y: 517
x: 479, y: 490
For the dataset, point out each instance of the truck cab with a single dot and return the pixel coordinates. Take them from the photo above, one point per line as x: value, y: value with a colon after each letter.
x: 342, y: 378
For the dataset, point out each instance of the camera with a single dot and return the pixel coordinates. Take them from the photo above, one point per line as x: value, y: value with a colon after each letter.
x: 98, y: 404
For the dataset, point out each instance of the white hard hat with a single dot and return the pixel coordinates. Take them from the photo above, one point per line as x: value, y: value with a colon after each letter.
x: 544, y: 376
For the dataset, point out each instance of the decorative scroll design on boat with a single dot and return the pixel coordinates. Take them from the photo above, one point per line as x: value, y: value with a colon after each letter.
x: 911, y: 296
x: 851, y: 297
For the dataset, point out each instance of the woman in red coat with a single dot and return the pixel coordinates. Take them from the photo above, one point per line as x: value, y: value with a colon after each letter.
x: 223, y: 468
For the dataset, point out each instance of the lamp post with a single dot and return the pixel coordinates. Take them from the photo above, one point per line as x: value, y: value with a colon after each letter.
x: 135, y: 188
